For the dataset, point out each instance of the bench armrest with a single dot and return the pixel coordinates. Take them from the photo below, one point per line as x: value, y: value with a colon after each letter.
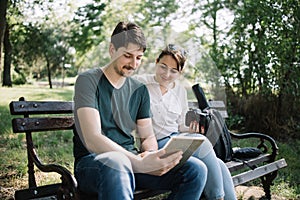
x: 262, y: 145
x: 69, y: 183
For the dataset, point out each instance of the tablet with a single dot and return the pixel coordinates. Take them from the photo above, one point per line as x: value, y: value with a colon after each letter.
x: 187, y: 144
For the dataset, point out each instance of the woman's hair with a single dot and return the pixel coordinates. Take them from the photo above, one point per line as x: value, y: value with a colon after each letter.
x: 178, y: 53
x: 128, y: 32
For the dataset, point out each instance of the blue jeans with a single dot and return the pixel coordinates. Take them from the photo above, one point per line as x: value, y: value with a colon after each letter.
x: 110, y: 176
x: 219, y: 181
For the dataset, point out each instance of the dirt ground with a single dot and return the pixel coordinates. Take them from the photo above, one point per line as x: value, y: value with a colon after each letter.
x: 243, y: 193
x: 252, y: 193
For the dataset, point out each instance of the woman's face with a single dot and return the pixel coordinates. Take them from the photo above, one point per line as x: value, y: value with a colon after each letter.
x: 166, y: 70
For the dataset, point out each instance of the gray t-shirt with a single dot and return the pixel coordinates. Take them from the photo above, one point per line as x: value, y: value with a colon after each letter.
x: 119, y: 109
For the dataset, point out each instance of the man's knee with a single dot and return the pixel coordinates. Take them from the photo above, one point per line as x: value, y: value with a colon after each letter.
x: 115, y: 160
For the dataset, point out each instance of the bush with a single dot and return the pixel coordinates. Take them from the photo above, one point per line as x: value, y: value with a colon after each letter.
x: 19, y: 79
x: 265, y: 113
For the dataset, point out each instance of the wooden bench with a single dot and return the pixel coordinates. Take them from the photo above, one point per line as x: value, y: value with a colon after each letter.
x: 40, y: 116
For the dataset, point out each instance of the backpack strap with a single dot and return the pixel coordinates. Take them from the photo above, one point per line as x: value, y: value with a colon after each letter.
x: 245, y: 163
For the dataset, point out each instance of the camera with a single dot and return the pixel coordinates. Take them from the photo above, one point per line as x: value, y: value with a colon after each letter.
x: 203, y: 118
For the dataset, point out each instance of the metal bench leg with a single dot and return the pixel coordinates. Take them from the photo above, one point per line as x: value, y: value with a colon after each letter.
x: 267, y: 181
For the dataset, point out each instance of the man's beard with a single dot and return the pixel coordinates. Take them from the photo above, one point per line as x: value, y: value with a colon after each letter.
x: 121, y: 72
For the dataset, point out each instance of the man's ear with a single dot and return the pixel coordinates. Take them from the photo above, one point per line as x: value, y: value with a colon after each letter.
x: 112, y: 50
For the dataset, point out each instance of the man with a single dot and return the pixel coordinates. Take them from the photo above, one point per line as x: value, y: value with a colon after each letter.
x: 109, y: 106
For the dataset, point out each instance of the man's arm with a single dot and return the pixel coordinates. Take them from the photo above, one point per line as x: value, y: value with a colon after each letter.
x: 98, y: 143
x: 146, y: 135
x: 94, y: 140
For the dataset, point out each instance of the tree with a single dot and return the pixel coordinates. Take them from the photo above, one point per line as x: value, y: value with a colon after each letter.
x: 29, y: 42
x: 6, y: 25
x: 4, y: 39
x: 263, y: 61
x: 3, y: 8
x: 7, y: 57
x: 206, y: 22
x: 46, y: 46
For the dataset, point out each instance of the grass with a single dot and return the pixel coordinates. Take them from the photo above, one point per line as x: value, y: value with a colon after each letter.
x: 13, y: 160
x: 13, y: 163
x: 287, y: 182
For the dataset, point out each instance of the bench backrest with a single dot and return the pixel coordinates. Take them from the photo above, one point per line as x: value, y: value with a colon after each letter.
x: 44, y: 123
x: 63, y: 121
x: 218, y: 105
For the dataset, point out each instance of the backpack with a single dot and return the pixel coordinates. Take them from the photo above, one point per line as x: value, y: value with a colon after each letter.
x: 219, y: 136
x: 217, y: 131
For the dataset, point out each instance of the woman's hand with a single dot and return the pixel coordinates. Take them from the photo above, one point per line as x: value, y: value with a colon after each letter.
x: 194, y: 127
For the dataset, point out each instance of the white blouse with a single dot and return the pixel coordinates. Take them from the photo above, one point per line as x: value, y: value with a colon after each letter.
x: 168, y: 110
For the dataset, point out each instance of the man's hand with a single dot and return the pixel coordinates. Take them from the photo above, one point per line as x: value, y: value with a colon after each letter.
x: 152, y: 163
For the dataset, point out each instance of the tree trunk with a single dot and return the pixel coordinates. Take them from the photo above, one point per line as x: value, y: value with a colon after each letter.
x: 49, y: 74
x: 3, y: 8
x: 7, y: 59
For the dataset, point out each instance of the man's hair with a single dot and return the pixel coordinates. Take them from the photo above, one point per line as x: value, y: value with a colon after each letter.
x: 128, y: 32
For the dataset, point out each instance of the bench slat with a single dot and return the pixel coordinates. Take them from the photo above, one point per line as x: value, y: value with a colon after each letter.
x: 40, y: 107
x: 258, y: 172
x: 236, y: 165
x: 21, y: 125
x: 38, y: 192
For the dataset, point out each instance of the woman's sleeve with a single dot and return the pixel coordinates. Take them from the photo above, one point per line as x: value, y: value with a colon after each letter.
x: 184, y: 109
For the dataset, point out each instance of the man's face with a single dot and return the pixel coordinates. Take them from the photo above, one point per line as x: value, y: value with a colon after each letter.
x: 127, y: 60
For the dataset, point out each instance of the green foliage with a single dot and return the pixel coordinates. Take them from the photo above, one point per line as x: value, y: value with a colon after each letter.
x: 19, y: 79
x: 39, y: 51
x: 265, y: 36
x: 283, y: 188
x: 157, y: 13
x: 260, y: 61
x: 235, y: 122
x: 291, y: 174
x: 86, y: 27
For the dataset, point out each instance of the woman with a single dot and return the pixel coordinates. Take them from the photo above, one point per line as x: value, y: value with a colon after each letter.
x: 169, y: 106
